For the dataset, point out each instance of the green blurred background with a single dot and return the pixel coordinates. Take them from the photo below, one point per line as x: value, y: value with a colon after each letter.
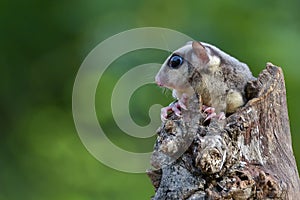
x: 42, y: 45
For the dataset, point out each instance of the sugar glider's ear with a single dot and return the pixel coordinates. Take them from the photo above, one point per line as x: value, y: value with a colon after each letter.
x: 200, y: 51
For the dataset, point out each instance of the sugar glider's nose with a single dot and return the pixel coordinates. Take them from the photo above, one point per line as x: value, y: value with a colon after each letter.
x: 158, y: 83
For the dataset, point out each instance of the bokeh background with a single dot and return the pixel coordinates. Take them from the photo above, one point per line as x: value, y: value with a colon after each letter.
x: 43, y: 43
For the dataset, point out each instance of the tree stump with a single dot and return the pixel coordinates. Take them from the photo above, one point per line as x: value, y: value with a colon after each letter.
x: 246, y: 156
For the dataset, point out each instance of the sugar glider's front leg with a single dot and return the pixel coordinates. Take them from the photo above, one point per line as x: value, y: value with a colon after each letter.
x: 175, y: 107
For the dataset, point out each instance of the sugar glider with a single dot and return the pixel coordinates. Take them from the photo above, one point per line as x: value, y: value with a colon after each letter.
x: 222, y: 78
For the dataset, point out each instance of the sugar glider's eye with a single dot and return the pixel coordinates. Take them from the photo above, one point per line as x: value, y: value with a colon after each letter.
x: 175, y: 61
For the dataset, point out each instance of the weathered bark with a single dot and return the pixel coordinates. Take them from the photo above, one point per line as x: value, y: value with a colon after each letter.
x: 247, y: 156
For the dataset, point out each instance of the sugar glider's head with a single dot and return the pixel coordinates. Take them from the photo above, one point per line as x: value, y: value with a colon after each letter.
x: 179, y: 66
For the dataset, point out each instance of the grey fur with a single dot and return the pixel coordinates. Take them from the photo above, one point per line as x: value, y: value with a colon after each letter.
x: 222, y: 77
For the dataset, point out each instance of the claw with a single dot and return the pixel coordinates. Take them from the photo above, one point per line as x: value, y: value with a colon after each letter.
x: 176, y: 110
x: 164, y: 113
x: 210, y: 116
x: 174, y: 107
x: 210, y: 111
x: 182, y: 105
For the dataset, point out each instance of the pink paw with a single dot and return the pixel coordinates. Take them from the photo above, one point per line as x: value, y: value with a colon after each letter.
x: 210, y: 111
x: 174, y: 107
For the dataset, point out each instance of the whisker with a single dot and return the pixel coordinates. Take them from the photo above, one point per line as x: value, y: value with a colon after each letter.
x: 167, y: 92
